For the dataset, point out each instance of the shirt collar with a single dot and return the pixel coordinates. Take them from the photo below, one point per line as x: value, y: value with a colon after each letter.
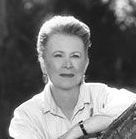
x: 84, y: 96
x: 49, y: 104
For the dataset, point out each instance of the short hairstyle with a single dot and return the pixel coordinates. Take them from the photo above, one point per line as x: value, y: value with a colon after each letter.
x: 68, y: 25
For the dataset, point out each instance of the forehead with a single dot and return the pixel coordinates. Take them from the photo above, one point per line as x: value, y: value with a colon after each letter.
x: 65, y: 42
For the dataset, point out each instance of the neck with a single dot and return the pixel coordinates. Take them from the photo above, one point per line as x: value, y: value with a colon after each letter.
x: 68, y: 93
x: 64, y: 97
x: 66, y: 100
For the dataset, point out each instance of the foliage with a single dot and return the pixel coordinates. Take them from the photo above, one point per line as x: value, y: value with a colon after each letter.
x: 125, y: 12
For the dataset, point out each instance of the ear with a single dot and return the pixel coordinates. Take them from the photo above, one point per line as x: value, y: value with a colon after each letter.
x: 87, y: 63
x: 43, y: 67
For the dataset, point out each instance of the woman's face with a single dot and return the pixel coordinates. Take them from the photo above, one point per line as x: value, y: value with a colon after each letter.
x: 65, y: 60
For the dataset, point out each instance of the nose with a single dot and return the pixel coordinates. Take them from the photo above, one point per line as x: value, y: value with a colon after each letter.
x: 67, y: 63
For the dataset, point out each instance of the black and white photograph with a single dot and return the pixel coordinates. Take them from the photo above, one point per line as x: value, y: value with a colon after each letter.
x: 67, y: 69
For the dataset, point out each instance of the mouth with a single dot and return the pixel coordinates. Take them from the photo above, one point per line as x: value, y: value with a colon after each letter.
x: 64, y: 75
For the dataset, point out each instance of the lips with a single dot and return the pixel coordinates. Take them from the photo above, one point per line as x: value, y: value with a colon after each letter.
x: 67, y: 75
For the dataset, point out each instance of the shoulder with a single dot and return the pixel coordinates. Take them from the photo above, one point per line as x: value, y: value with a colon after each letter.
x: 27, y: 118
x: 32, y: 106
x: 97, y: 91
x: 101, y: 91
x: 95, y: 87
x: 104, y: 88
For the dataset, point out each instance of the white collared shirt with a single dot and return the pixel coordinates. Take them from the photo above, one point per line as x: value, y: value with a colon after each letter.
x: 41, y: 118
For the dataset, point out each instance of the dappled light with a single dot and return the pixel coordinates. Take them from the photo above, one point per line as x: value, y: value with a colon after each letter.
x: 125, y: 12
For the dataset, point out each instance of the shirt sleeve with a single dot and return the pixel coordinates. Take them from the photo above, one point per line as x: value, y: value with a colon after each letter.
x: 22, y: 127
x: 113, y: 102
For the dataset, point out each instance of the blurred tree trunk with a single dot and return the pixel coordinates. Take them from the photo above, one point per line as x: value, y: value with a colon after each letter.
x: 4, y: 105
x: 3, y: 34
x: 3, y: 29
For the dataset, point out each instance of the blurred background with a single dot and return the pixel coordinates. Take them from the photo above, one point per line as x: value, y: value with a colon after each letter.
x: 112, y: 55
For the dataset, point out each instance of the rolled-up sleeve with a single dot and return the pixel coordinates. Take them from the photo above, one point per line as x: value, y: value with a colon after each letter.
x: 21, y: 126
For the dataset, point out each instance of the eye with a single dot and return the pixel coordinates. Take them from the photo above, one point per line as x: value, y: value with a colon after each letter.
x: 57, y: 55
x: 76, y: 55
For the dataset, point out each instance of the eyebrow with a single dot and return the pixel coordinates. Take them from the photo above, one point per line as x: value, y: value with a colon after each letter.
x: 58, y: 51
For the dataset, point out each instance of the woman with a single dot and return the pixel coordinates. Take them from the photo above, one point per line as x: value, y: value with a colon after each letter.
x: 67, y: 108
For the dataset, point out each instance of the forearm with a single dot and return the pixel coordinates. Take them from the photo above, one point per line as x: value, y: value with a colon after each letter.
x: 97, y: 123
x: 92, y: 125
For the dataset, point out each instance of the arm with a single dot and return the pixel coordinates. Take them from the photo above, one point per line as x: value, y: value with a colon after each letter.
x: 115, y: 103
x: 92, y: 125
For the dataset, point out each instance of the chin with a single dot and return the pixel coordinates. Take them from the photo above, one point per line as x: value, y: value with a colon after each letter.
x: 67, y: 86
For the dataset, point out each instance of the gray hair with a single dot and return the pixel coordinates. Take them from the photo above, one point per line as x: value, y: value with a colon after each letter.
x: 68, y: 25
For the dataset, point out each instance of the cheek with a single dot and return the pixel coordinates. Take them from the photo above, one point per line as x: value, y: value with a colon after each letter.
x: 52, y: 67
x: 80, y: 67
